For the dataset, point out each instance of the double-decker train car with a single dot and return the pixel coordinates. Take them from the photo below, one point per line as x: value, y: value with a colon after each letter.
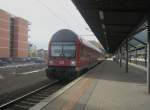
x: 69, y: 55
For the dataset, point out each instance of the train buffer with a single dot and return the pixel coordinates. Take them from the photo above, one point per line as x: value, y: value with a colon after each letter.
x: 105, y: 87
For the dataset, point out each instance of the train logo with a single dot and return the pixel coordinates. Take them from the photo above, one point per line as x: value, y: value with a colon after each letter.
x: 61, y: 62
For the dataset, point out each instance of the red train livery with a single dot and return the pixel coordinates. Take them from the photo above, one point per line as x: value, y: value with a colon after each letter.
x: 68, y: 55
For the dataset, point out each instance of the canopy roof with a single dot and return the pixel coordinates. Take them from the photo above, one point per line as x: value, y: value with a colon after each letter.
x: 113, y: 20
x: 138, y: 41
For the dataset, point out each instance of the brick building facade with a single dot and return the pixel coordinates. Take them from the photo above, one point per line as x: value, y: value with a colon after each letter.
x: 13, y: 36
x: 4, y: 34
x: 20, y: 37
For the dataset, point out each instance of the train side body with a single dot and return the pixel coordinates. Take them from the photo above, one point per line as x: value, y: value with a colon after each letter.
x: 69, y: 55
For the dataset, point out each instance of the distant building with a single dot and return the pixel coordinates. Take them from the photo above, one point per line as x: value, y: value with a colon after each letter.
x: 4, y: 34
x: 32, y: 50
x: 46, y: 55
x: 19, y: 37
x: 42, y: 54
x: 13, y: 36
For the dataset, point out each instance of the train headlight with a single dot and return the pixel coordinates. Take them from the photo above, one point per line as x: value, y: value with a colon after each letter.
x: 50, y: 62
x: 73, y: 63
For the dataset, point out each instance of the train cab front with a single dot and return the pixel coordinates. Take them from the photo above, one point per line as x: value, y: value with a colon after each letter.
x: 62, y: 60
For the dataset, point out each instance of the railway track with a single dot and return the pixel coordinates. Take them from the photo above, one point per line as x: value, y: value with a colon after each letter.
x: 28, y: 100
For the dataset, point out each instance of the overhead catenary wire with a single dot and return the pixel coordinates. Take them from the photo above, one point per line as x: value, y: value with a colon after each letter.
x: 76, y: 19
x: 68, y: 12
x: 54, y: 14
x: 60, y: 18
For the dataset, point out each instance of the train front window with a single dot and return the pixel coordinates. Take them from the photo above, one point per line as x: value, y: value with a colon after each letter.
x: 63, y: 49
x: 56, y: 49
x: 69, y: 49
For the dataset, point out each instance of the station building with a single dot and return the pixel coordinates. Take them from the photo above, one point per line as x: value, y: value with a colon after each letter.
x: 13, y: 36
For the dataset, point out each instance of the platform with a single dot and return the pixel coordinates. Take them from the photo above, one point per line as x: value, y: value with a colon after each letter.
x: 105, y: 87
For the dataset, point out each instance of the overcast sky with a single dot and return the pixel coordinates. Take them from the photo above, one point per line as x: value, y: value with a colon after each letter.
x: 47, y: 17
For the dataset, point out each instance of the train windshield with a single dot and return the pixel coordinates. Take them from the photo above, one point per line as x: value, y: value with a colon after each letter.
x: 69, y: 49
x: 56, y: 49
x: 63, y: 49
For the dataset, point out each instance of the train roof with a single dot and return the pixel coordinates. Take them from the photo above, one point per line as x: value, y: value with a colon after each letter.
x: 68, y: 35
x: 92, y: 46
x: 64, y: 35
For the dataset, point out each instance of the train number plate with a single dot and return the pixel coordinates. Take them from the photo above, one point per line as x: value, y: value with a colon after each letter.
x: 61, y: 62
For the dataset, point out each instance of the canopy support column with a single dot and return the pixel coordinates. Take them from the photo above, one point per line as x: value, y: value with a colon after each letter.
x: 120, y: 56
x: 148, y: 55
x: 126, y: 67
x: 145, y: 57
x: 136, y: 56
x: 130, y: 58
x: 117, y: 56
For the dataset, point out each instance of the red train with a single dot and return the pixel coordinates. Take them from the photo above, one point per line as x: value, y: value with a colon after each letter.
x: 69, y: 55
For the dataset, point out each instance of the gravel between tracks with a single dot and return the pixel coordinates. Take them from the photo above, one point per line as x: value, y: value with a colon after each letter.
x: 14, y: 85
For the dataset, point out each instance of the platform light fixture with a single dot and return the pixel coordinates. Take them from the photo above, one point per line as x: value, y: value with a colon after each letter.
x: 101, y: 14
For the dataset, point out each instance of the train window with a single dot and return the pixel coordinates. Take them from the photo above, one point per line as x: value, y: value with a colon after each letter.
x: 63, y: 49
x: 56, y: 49
x: 69, y: 49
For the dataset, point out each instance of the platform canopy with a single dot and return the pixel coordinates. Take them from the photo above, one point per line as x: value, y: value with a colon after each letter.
x: 113, y: 21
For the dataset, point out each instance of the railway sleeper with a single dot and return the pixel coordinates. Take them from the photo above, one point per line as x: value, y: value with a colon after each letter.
x: 45, y: 92
x: 32, y: 100
x: 28, y: 103
x: 21, y: 107
x: 43, y: 95
x: 38, y: 97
